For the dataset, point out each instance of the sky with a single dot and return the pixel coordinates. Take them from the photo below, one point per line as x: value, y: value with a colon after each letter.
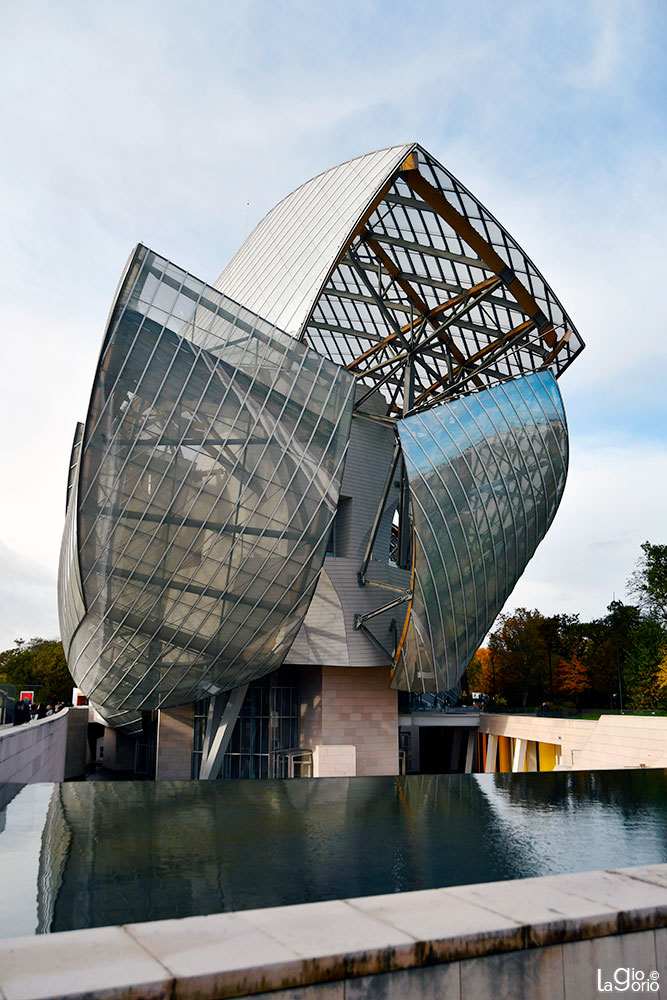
x: 180, y: 125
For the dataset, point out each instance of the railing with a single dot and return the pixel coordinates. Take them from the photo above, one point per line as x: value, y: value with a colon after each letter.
x: 294, y: 762
x: 414, y: 702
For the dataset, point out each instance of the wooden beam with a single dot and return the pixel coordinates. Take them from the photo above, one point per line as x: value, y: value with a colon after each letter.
x: 422, y: 307
x: 552, y: 357
x: 437, y: 201
x: 373, y: 350
x: 458, y: 299
x: 511, y: 334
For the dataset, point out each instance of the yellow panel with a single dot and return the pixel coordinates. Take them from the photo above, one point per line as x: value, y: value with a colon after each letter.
x: 547, y: 756
x: 504, y: 754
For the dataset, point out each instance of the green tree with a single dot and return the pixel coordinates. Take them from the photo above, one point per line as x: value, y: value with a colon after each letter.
x: 38, y: 665
x: 606, y: 641
x: 643, y: 664
x: 648, y: 582
x: 519, y: 652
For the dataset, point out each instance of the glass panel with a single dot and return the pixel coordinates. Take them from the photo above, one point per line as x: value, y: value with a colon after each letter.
x: 210, y: 473
x: 486, y: 473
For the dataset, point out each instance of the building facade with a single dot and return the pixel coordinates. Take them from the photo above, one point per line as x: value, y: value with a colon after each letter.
x: 315, y: 482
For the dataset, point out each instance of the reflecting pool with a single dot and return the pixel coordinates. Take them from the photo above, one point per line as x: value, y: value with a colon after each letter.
x: 80, y: 854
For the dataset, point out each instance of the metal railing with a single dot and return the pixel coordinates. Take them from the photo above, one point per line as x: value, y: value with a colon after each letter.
x: 294, y: 762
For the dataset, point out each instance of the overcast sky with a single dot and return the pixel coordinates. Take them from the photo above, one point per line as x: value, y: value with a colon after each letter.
x: 180, y: 125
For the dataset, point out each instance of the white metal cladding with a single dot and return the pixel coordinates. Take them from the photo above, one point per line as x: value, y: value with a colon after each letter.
x: 281, y: 267
x: 209, y: 478
x: 486, y: 474
x: 388, y: 263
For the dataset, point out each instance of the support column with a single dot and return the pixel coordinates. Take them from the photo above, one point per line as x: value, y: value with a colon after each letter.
x: 174, y: 743
x: 519, y: 755
x: 491, y: 753
x: 456, y: 750
x: 217, y: 739
x: 531, y: 756
x: 504, y: 754
x: 470, y: 751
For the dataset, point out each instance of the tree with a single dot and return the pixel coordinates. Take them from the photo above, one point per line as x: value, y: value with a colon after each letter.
x: 648, y: 582
x: 38, y: 665
x: 573, y: 677
x: 606, y: 641
x: 643, y: 665
x: 520, y: 656
x: 481, y: 673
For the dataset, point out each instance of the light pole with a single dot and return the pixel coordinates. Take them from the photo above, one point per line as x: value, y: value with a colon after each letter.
x: 613, y: 607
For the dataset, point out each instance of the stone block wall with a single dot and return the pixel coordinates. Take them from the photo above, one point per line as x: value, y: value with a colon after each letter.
x: 353, y: 706
x: 174, y: 743
x: 35, y: 751
x: 612, y: 741
x: 561, y: 937
x: 334, y: 761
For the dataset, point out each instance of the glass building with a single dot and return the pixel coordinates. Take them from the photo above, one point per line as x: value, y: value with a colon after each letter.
x: 335, y: 462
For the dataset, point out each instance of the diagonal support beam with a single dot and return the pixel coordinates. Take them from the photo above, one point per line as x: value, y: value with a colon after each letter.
x: 437, y: 201
x: 516, y: 333
x: 219, y: 727
x: 361, y: 575
x: 379, y: 301
x: 427, y: 314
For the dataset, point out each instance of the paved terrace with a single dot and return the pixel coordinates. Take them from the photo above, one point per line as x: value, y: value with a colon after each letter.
x: 553, y: 938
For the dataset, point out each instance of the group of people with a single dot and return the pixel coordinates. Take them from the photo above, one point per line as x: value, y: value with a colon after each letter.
x: 25, y: 711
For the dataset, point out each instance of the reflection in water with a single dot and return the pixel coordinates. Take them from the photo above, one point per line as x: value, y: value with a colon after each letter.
x: 119, y: 852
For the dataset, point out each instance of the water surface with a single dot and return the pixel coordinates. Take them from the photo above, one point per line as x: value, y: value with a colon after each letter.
x: 80, y: 854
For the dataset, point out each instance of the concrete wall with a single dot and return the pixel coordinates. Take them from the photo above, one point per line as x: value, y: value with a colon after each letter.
x: 76, y: 747
x: 555, y: 938
x: 119, y: 750
x: 352, y: 706
x: 50, y: 749
x: 174, y: 743
x: 613, y: 741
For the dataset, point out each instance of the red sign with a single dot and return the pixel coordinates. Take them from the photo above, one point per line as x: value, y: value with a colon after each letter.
x: 26, y: 695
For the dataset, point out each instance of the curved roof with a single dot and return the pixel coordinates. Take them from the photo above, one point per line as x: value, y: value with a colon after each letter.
x: 280, y: 268
x: 387, y: 263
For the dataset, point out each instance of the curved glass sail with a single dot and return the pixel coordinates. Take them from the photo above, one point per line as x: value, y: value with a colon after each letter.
x: 486, y: 475
x: 207, y: 483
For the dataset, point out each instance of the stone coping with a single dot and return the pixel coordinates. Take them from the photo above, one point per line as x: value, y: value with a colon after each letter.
x: 254, y: 951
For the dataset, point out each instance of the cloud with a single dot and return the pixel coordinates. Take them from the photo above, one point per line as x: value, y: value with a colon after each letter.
x: 614, y: 501
x: 27, y: 599
x: 157, y: 122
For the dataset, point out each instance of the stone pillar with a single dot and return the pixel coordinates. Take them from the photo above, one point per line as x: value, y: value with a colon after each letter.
x: 531, y: 756
x: 119, y: 750
x: 519, y: 755
x: 334, y: 762
x: 174, y: 743
x: 472, y: 738
x: 491, y: 752
x: 351, y: 706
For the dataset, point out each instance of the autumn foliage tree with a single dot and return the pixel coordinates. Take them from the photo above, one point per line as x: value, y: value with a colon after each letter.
x: 480, y: 673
